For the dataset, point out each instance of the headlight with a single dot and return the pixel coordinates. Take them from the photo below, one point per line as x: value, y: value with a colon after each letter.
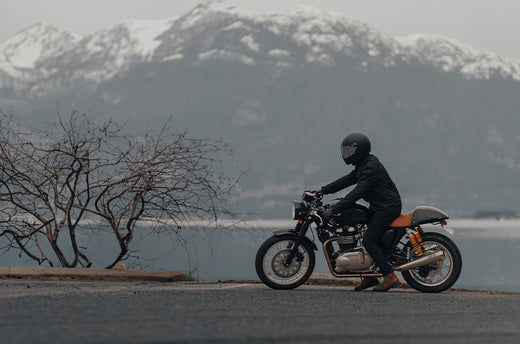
x: 298, y: 210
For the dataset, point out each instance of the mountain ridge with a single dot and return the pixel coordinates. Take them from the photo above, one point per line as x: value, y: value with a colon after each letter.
x: 284, y: 88
x: 107, y: 52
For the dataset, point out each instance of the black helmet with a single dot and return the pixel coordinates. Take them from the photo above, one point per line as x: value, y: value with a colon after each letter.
x: 354, y: 148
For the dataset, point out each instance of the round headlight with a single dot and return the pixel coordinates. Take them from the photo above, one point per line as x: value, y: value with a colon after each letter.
x: 298, y: 210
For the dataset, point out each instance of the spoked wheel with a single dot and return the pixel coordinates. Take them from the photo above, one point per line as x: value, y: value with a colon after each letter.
x: 272, y: 266
x: 438, y: 276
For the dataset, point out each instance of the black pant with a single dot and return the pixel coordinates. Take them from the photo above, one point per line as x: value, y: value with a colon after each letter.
x: 377, y: 226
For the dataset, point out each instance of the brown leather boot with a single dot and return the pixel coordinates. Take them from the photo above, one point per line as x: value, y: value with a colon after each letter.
x: 389, y: 281
x: 366, y: 282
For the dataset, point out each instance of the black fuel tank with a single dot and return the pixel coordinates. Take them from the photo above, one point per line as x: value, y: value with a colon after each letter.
x: 358, y: 214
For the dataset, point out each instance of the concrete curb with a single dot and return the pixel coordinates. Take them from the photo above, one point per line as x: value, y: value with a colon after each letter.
x: 89, y: 274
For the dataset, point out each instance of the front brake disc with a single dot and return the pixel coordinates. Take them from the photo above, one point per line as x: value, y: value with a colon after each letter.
x: 279, y: 267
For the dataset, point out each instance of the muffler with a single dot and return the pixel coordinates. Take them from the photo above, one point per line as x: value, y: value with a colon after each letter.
x: 429, y: 259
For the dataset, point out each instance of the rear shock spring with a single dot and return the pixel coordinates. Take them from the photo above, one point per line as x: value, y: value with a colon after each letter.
x: 416, y: 241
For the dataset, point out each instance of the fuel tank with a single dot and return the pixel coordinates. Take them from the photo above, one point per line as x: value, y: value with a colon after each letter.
x: 358, y: 214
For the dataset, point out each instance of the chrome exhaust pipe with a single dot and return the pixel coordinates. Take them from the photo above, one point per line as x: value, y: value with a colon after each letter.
x: 429, y: 259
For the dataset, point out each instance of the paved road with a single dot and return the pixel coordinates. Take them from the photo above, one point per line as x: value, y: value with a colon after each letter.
x: 87, y: 312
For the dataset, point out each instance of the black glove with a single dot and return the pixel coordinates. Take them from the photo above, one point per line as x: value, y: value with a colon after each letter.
x: 326, y: 215
x: 310, y: 196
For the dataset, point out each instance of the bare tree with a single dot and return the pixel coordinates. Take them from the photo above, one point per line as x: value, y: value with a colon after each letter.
x: 52, y: 182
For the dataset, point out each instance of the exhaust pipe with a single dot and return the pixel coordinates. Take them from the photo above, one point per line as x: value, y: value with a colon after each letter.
x: 429, y: 259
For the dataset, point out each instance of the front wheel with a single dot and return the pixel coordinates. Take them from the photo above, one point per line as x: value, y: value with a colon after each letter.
x: 438, y: 276
x: 272, y: 268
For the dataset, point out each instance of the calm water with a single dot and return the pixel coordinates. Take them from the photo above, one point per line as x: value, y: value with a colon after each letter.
x: 490, y: 251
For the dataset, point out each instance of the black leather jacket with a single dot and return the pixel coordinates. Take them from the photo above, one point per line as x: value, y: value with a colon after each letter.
x: 373, y: 185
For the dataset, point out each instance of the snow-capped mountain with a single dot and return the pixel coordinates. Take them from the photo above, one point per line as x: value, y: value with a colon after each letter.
x: 211, y: 31
x: 105, y: 53
x: 316, y: 35
x: 215, y: 31
x: 283, y: 88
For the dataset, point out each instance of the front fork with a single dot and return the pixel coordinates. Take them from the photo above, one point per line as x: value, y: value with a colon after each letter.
x: 301, y: 228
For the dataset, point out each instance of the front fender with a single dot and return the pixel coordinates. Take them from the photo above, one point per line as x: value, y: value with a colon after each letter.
x: 291, y: 232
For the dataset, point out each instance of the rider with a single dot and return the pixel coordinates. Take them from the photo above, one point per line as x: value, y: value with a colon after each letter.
x: 374, y: 185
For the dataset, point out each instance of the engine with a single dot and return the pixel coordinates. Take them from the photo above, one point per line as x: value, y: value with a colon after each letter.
x: 350, y: 257
x: 347, y: 238
x: 354, y: 260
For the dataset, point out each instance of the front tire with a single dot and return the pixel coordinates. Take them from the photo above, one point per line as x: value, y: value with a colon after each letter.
x: 270, y: 267
x: 439, y: 276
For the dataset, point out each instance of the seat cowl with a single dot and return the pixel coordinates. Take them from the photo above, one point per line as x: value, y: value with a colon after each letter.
x: 427, y: 214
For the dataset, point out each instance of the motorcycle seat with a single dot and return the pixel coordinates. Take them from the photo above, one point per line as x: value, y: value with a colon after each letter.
x: 404, y: 220
x: 418, y: 216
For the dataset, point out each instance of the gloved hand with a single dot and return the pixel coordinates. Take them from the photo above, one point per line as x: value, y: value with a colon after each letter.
x: 310, y: 196
x: 326, y: 215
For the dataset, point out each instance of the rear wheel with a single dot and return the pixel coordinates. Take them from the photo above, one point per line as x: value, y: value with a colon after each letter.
x: 438, y: 276
x: 272, y: 268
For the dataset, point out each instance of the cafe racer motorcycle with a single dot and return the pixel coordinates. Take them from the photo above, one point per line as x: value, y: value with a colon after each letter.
x: 429, y: 261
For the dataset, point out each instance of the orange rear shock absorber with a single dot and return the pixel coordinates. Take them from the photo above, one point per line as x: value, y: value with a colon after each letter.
x: 416, y: 240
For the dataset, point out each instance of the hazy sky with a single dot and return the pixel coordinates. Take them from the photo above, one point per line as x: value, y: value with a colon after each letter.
x: 485, y: 24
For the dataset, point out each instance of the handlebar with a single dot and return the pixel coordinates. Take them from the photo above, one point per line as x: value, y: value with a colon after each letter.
x: 313, y: 200
x: 312, y: 196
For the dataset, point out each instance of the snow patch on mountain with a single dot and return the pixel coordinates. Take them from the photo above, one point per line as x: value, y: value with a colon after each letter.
x: 225, y: 55
x: 279, y: 53
x: 135, y: 39
x: 25, y: 49
x: 235, y: 26
x: 453, y: 56
x: 206, y: 12
x: 145, y: 34
x: 250, y: 42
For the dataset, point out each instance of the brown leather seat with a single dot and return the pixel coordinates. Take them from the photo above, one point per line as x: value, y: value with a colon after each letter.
x: 405, y: 220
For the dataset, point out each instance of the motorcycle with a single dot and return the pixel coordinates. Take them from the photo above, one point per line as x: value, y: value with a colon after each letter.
x: 430, y: 262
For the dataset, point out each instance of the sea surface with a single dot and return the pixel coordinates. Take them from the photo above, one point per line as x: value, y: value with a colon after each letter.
x: 490, y: 251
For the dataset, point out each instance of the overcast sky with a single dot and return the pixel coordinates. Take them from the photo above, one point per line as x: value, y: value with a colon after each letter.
x: 486, y: 24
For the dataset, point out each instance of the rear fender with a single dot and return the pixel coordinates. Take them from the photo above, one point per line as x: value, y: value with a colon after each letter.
x: 291, y: 232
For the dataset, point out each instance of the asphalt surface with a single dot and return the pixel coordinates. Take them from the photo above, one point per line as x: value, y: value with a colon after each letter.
x: 96, y: 312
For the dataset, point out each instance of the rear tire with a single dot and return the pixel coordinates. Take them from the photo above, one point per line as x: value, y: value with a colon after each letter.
x: 271, y: 270
x: 439, y: 276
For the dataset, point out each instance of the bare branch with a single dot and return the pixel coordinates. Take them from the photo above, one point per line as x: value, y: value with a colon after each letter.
x: 50, y: 181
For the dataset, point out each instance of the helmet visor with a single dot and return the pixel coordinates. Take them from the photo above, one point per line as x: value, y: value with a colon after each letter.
x: 348, y: 151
